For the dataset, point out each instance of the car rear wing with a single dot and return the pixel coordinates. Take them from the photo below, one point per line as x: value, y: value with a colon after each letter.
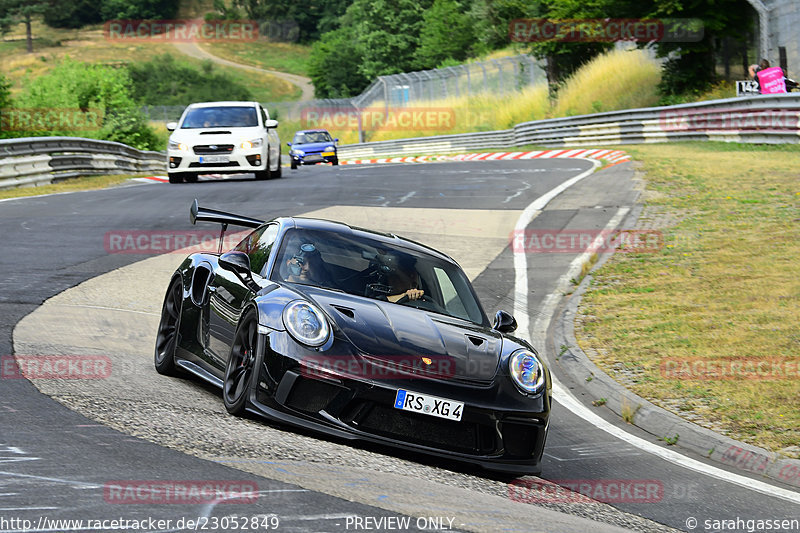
x: 203, y: 214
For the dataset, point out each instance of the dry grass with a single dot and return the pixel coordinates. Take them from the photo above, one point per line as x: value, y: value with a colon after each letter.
x: 620, y: 79
x: 85, y: 183
x: 617, y: 80
x: 726, y: 284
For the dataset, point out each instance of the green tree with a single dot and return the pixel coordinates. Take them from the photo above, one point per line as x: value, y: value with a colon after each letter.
x: 691, y: 65
x: 21, y: 11
x: 72, y: 13
x: 333, y: 65
x: 388, y: 34
x: 138, y: 9
x: 447, y: 34
x: 312, y: 17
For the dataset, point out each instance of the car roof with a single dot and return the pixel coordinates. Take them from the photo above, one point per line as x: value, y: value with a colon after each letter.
x: 223, y: 104
x: 311, y: 131
x: 389, y: 239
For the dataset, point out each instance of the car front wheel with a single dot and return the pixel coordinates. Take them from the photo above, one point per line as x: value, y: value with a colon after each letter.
x: 241, y: 365
x: 168, y: 329
x: 175, y: 177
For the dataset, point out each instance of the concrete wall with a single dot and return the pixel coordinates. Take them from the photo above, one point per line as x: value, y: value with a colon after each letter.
x: 784, y: 30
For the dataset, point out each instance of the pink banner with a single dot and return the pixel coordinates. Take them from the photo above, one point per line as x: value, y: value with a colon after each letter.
x: 771, y: 80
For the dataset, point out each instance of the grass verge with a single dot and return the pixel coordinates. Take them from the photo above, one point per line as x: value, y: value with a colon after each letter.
x: 726, y: 285
x: 83, y: 183
x: 284, y: 57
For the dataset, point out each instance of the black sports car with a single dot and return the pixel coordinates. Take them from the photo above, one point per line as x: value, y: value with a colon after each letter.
x: 356, y: 334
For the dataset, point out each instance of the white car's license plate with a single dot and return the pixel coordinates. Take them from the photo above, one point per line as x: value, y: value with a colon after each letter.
x: 428, y: 405
x: 215, y: 159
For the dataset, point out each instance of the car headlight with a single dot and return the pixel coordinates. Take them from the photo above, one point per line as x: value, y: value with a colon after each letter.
x: 306, y: 323
x: 329, y: 148
x: 173, y: 145
x: 526, y: 371
x: 254, y: 143
x: 299, y: 152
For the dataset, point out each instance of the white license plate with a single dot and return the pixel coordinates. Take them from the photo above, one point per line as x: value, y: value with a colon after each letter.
x: 428, y: 405
x: 215, y: 159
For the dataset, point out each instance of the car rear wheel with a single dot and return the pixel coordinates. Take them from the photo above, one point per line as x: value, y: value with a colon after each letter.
x: 168, y: 328
x: 241, y: 365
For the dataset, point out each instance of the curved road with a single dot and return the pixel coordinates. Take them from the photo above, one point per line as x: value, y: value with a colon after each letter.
x: 62, y: 461
x: 194, y: 50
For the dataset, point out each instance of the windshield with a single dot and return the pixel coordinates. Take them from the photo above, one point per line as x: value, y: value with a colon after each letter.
x: 220, y: 117
x: 312, y: 137
x: 365, y: 267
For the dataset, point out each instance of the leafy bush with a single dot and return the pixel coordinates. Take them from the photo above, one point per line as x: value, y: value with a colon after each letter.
x: 96, y: 97
x: 165, y: 81
x: 138, y: 9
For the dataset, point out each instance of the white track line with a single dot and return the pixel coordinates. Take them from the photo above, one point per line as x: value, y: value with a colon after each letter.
x: 562, y: 394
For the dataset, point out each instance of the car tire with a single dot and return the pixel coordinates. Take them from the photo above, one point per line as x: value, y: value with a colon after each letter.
x: 190, y: 177
x: 293, y: 164
x: 335, y: 161
x: 175, y: 177
x: 169, y: 329
x: 276, y: 174
x: 241, y: 366
x: 262, y: 174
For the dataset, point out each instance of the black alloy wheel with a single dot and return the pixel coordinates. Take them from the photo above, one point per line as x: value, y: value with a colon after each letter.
x: 168, y: 328
x: 241, y: 365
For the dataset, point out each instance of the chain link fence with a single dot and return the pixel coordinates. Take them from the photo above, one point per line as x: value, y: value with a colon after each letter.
x: 496, y: 76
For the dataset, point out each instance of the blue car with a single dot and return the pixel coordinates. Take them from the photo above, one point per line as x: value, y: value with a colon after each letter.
x: 310, y: 147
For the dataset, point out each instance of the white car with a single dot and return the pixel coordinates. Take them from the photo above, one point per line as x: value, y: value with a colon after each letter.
x: 223, y: 138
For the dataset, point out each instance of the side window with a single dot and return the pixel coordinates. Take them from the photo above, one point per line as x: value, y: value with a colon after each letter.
x: 258, y: 246
x: 452, y: 301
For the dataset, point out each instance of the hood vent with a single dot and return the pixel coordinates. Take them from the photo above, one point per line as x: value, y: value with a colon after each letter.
x: 215, y: 133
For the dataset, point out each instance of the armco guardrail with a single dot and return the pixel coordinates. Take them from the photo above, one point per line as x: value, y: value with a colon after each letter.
x: 759, y: 119
x: 40, y: 160
x: 755, y: 119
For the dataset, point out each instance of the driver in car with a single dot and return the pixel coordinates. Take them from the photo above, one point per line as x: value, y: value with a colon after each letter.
x: 306, y: 266
x: 402, y: 277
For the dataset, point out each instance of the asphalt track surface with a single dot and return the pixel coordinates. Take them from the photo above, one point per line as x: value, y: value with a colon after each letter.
x: 55, y: 462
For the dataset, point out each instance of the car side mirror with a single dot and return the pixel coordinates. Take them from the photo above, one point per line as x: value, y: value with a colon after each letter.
x: 172, y: 126
x: 238, y: 263
x: 271, y: 124
x: 504, y: 322
x: 289, y: 145
x: 336, y: 141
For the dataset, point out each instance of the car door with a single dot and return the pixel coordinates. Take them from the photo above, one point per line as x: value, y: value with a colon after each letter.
x: 228, y: 295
